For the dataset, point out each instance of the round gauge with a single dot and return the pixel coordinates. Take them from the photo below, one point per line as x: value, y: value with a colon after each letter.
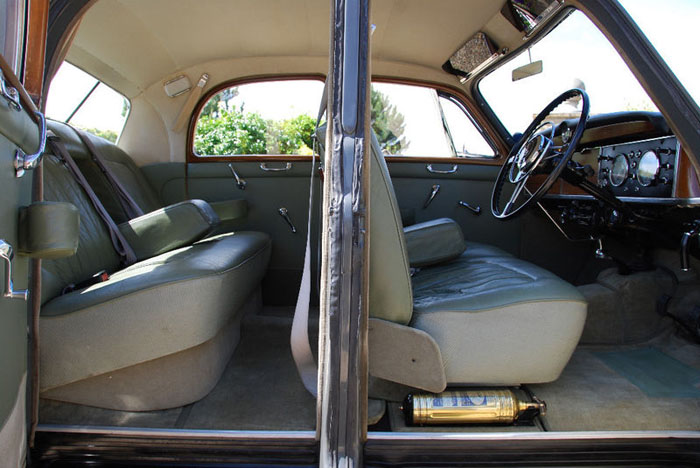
x: 619, y: 171
x: 648, y: 168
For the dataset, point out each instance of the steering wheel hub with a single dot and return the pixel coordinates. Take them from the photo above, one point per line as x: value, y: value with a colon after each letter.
x: 535, y: 146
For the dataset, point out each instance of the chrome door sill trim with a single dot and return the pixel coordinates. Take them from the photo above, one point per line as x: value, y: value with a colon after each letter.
x: 523, y: 436
x: 176, y: 433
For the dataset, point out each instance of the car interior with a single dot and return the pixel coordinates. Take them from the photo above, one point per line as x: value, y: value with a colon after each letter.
x: 577, y: 287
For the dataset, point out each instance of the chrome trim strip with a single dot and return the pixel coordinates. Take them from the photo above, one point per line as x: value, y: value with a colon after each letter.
x: 176, y: 433
x: 561, y: 435
x: 645, y: 200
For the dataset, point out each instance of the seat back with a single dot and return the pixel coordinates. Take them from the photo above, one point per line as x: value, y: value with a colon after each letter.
x: 390, y: 292
x: 95, y: 251
x: 120, y: 164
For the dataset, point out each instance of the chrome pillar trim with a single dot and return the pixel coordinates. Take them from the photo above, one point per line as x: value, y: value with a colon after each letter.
x: 429, y: 167
x: 7, y: 254
x: 240, y: 182
x: 284, y: 212
x: 24, y: 162
x: 267, y: 168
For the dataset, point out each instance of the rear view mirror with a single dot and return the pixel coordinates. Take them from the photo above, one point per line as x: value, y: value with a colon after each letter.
x: 531, y: 69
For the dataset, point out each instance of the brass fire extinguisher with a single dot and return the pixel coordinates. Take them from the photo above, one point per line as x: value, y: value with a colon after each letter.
x: 470, y: 407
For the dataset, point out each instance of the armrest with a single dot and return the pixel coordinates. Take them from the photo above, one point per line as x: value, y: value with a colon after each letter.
x: 169, y: 228
x: 433, y: 242
x: 228, y: 210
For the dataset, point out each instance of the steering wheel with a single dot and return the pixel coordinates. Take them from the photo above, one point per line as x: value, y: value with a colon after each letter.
x: 536, y: 150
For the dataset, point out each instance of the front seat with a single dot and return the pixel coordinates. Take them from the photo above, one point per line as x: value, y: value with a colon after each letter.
x: 496, y: 319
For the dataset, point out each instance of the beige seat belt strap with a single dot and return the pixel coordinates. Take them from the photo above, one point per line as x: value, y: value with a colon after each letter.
x: 184, y: 115
x: 299, y: 339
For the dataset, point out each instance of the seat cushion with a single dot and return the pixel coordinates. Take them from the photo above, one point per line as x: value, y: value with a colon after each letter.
x: 153, y: 308
x: 488, y: 312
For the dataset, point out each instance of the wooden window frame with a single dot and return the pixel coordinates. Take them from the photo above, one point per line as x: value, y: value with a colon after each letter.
x: 479, y: 120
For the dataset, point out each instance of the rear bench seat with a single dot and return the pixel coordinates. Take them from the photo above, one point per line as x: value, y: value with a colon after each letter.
x: 157, y: 334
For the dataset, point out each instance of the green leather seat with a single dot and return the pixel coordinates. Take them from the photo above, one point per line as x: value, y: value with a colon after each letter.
x: 156, y: 334
x: 496, y: 319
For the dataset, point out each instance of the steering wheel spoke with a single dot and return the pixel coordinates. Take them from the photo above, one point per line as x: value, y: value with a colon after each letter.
x: 536, y: 153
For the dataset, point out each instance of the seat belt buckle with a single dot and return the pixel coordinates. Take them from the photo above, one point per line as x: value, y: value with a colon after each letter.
x: 99, y: 277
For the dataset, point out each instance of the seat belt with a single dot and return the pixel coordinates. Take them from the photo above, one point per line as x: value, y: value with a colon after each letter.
x: 131, y: 208
x: 299, y: 339
x: 128, y: 257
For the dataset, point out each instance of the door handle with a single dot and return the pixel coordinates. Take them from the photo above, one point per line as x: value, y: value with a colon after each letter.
x: 431, y: 196
x: 474, y: 209
x: 429, y: 167
x: 240, y: 182
x: 284, y: 212
x: 7, y: 254
x: 267, y: 168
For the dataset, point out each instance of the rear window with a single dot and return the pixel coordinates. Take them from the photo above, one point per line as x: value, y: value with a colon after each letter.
x: 80, y: 99
x: 268, y: 117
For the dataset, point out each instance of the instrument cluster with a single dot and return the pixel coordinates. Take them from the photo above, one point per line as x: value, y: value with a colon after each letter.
x: 639, y: 169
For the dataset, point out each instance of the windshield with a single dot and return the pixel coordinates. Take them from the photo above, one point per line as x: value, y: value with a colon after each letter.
x: 673, y: 43
x: 574, y: 55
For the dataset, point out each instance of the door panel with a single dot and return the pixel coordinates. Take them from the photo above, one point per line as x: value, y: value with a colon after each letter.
x: 470, y: 183
x: 266, y: 192
x: 17, y: 130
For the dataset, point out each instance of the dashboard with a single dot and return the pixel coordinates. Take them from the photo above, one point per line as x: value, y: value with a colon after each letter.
x: 644, y: 169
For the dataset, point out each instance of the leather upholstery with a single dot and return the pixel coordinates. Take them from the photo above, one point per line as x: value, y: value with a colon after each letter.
x: 433, y: 242
x: 497, y: 320
x: 123, y: 167
x: 166, y: 305
x: 390, y: 295
x: 169, y: 228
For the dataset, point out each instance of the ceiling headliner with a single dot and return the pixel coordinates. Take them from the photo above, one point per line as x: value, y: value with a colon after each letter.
x: 131, y: 44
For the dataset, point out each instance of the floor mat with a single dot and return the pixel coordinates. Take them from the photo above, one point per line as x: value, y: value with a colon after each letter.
x: 592, y: 396
x: 655, y: 373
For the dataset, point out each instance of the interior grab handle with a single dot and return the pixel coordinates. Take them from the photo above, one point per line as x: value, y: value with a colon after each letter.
x: 240, y: 182
x: 26, y: 162
x: 267, y: 168
x: 7, y: 254
x: 429, y: 167
x: 474, y: 209
x: 284, y: 212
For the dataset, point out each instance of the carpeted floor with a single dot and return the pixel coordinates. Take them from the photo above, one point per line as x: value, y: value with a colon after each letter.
x: 259, y: 390
x: 652, y: 386
x: 624, y: 388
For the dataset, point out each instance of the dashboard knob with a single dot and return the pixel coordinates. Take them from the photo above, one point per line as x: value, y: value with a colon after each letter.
x: 664, y: 180
x: 667, y: 166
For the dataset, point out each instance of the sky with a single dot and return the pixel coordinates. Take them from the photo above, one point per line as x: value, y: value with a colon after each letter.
x: 574, y: 50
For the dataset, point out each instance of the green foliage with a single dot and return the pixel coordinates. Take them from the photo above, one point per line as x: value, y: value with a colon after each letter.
x: 106, y: 134
x: 296, y: 135
x: 231, y: 132
x: 387, y: 123
x: 219, y: 102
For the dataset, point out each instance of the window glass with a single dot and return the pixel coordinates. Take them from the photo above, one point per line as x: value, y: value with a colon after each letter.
x: 675, y: 44
x: 574, y: 54
x: 269, y: 117
x: 414, y: 121
x: 11, y: 34
x: 80, y: 99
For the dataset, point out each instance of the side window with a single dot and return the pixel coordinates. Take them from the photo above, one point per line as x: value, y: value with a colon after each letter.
x: 78, y: 98
x: 418, y: 121
x: 267, y: 117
